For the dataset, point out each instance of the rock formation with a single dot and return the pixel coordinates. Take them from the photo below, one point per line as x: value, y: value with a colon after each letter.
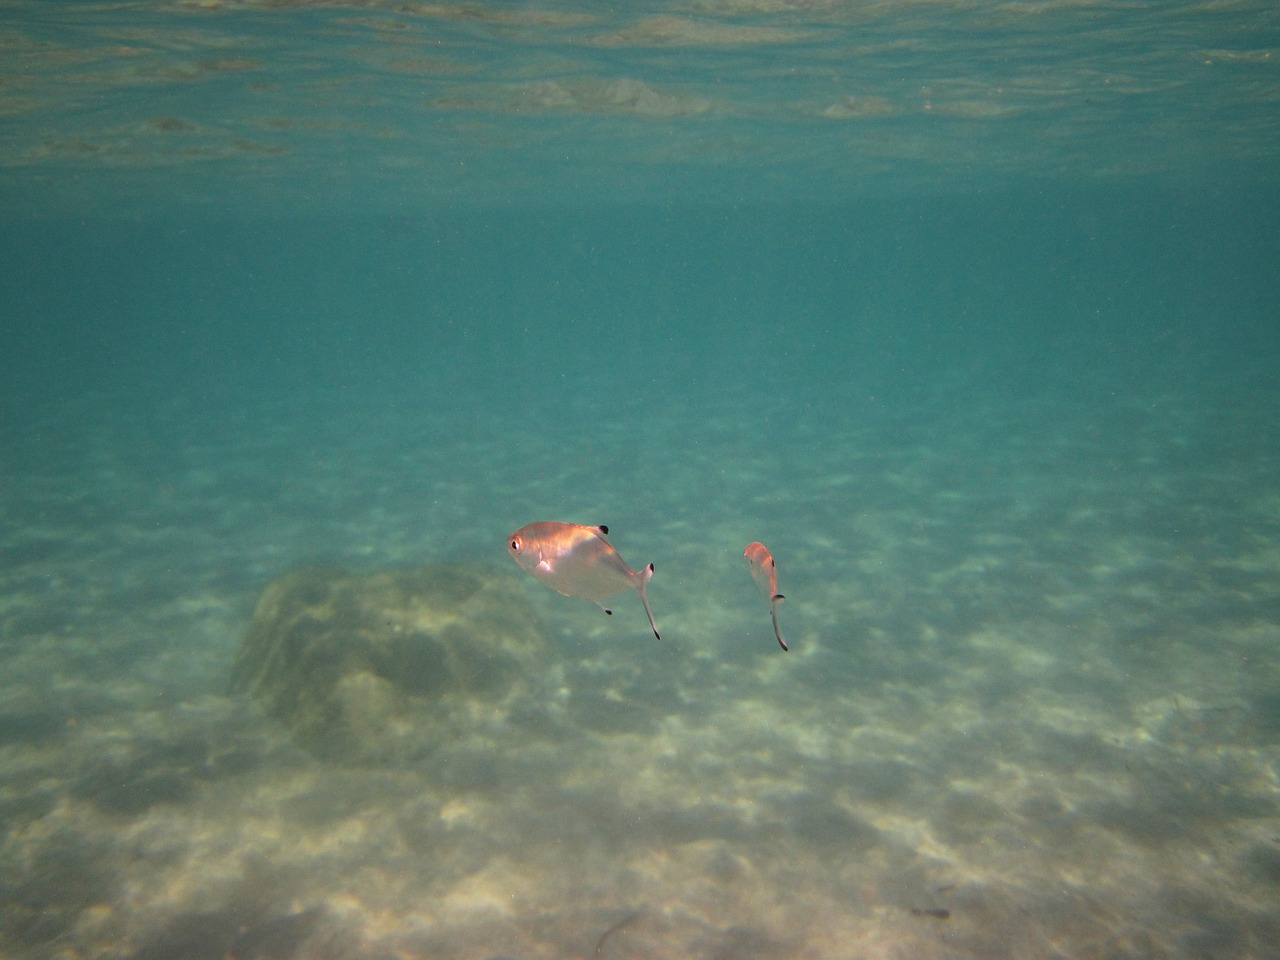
x: 367, y: 668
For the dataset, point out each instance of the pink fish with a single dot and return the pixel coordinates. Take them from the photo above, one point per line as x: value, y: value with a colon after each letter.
x: 765, y: 573
x: 578, y: 561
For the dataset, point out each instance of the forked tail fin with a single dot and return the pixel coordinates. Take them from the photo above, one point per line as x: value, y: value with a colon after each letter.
x: 645, y: 576
x: 773, y: 613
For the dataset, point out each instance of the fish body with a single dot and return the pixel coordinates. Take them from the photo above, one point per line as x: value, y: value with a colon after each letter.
x: 765, y: 573
x: 577, y: 560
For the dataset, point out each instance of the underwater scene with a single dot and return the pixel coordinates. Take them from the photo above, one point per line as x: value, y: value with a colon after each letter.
x: 902, y: 378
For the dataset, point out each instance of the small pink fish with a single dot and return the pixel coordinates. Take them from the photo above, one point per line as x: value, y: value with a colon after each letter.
x: 578, y: 561
x: 765, y: 573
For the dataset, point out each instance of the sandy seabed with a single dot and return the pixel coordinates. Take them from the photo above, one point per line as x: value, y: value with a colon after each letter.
x: 1030, y: 708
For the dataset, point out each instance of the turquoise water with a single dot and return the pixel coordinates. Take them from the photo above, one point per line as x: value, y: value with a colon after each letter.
x: 968, y: 312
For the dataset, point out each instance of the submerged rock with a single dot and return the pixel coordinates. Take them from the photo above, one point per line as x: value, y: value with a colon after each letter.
x: 364, y: 668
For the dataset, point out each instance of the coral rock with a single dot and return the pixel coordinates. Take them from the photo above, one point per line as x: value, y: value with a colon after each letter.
x: 366, y: 668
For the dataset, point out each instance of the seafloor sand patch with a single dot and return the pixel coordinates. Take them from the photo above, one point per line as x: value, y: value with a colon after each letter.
x: 1007, y: 727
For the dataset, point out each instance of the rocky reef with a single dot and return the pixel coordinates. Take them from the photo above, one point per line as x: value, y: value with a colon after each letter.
x: 366, y: 668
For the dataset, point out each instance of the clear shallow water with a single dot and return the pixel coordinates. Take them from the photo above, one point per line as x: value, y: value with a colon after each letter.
x: 373, y: 286
x: 339, y: 107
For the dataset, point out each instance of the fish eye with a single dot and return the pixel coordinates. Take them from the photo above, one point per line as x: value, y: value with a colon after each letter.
x: 515, y: 543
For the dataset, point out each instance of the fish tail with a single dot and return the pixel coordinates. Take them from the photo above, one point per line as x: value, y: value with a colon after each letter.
x: 773, y: 614
x: 645, y: 576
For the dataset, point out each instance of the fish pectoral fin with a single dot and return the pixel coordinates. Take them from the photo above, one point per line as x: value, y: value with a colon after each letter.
x: 543, y: 567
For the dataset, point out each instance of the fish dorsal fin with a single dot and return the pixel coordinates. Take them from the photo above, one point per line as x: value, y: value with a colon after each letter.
x: 603, y: 529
